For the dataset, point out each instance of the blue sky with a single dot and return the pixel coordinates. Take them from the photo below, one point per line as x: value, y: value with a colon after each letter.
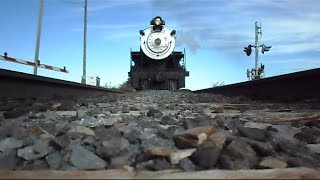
x: 213, y: 32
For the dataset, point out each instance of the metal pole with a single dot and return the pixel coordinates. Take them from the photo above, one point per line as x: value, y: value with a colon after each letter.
x: 84, y: 42
x: 256, y: 49
x: 130, y: 59
x: 36, y: 56
x: 185, y: 58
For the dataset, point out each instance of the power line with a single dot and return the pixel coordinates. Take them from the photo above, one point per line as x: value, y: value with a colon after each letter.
x: 74, y: 2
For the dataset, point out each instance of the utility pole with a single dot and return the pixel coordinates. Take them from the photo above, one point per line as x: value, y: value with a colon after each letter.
x: 84, y: 42
x: 36, y: 56
x: 256, y: 72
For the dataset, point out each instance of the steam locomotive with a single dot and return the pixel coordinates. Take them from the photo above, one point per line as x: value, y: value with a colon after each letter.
x: 157, y: 66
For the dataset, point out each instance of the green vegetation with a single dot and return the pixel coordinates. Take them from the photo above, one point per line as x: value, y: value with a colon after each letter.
x: 124, y: 87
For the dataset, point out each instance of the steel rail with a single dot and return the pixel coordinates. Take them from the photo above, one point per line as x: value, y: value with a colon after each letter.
x: 297, y: 86
x: 21, y: 85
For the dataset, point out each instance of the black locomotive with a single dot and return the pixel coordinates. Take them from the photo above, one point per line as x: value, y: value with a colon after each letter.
x: 157, y: 66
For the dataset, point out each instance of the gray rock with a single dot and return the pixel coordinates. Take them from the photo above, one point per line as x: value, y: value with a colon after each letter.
x: 48, y: 127
x: 8, y: 158
x: 38, y: 165
x: 238, y: 155
x: 144, y: 165
x: 152, y: 112
x: 290, y: 146
x: 187, y: 165
x: 192, y: 137
x: 126, y: 157
x: 110, y: 120
x: 135, y: 108
x: 218, y: 138
x: 112, y: 147
x: 176, y: 156
x: 54, y: 160
x: 68, y: 114
x: 62, y: 141
x: 66, y: 105
x: 206, y: 156
x: 103, y: 105
x: 114, y: 110
x: 160, y: 164
x: 217, y: 110
x: 314, y: 131
x: 169, y: 120
x: 53, y: 116
x: 10, y: 143
x: 125, y: 109
x: 271, y: 162
x: 81, y: 130
x: 130, y: 127
x: 16, y: 112
x: 286, y: 130
x: 81, y: 113
x: 254, y: 133
x: 306, y: 137
x: 314, y: 148
x: 89, y: 121
x: 154, y: 165
x: 84, y: 159
x: 158, y: 147
x: 169, y: 132
x: 40, y: 107
x: 14, y: 130
x: 228, y: 123
x: 91, y: 141
x: 36, y: 151
x: 121, y: 160
x: 262, y: 126
x: 196, y: 122
x: 105, y: 134
x: 197, y: 109
x: 62, y: 128
x: 262, y: 148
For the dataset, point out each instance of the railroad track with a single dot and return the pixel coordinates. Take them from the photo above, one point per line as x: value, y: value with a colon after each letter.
x: 303, y: 85
x: 21, y: 85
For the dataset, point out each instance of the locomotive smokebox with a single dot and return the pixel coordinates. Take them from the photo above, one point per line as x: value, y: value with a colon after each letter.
x: 157, y: 65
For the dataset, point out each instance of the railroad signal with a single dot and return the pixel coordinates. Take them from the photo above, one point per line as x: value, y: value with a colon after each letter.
x: 265, y: 48
x: 248, y: 50
x: 257, y: 72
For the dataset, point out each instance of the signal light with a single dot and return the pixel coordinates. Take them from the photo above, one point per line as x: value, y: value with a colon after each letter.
x: 265, y: 48
x: 248, y: 50
x: 173, y: 32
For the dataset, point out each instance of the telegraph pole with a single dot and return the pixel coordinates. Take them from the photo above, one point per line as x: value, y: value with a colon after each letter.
x: 36, y: 56
x: 84, y: 43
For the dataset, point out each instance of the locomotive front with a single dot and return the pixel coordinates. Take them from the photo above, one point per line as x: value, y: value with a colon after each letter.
x: 157, y: 42
x: 157, y: 66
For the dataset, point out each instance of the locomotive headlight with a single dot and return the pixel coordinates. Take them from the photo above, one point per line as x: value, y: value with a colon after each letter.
x: 157, y: 21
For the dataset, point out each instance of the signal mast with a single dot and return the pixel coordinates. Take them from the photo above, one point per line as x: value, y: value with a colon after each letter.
x: 257, y: 72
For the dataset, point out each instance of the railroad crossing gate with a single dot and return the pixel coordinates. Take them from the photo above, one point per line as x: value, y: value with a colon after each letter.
x: 29, y: 63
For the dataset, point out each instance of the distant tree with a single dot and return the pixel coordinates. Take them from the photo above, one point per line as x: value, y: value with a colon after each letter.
x: 109, y: 86
x: 126, y: 86
x: 217, y: 84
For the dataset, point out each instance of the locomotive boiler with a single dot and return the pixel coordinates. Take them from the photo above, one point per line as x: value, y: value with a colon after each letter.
x: 157, y: 66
